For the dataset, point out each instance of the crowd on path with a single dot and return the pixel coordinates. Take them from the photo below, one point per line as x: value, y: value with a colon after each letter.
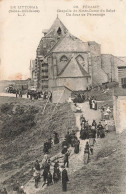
x: 34, y: 95
x: 90, y: 133
x: 55, y: 170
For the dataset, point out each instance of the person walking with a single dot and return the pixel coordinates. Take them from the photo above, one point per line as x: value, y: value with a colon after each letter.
x: 56, y: 174
x: 64, y: 179
x: 16, y: 93
x: 99, y: 129
x: 56, y: 138
x: 37, y: 165
x: 36, y: 176
x: 94, y: 124
x: 49, y: 178
x: 68, y: 138
x: 86, y: 155
x: 66, y: 158
x: 76, y: 148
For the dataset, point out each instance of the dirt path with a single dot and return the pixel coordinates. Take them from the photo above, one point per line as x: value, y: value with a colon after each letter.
x: 76, y: 160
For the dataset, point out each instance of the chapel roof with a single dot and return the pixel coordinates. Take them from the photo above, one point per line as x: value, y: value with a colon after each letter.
x: 71, y: 43
x: 55, y: 26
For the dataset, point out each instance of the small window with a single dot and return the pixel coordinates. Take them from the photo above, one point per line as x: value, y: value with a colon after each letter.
x: 63, y: 58
x: 59, y: 31
x: 123, y: 81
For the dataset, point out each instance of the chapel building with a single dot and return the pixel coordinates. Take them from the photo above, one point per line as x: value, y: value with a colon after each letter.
x: 64, y: 61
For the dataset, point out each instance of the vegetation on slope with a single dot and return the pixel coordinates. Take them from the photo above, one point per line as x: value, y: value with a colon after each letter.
x: 24, y: 128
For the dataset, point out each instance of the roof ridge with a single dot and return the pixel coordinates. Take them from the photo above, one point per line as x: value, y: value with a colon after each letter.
x: 120, y: 59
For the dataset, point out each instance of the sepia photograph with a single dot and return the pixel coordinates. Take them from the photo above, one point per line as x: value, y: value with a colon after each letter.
x: 62, y: 96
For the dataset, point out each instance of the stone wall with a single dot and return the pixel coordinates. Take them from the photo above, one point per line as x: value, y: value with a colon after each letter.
x: 60, y: 94
x: 109, y: 64
x: 73, y: 83
x: 119, y: 110
x: 98, y: 75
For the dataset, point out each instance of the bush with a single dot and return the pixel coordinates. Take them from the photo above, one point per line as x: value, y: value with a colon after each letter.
x: 5, y: 108
x: 15, y: 124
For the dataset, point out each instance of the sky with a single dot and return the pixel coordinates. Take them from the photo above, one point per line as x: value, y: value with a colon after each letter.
x: 20, y: 35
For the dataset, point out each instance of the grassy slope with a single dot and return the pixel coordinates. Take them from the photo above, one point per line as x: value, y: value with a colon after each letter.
x: 104, y: 174
x: 17, y: 156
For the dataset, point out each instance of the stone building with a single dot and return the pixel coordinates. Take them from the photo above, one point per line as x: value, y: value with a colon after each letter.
x: 63, y: 60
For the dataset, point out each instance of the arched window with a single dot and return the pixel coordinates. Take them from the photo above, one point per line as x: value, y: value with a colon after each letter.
x: 63, y: 58
x: 80, y: 60
x: 59, y: 31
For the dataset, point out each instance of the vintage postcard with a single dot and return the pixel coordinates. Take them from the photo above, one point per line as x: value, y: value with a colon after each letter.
x: 62, y: 96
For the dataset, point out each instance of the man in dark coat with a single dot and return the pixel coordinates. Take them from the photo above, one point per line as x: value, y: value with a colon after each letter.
x: 90, y: 103
x: 99, y: 129
x: 56, y: 138
x: 56, y: 174
x: 46, y: 147
x: 37, y: 165
x: 68, y: 138
x: 64, y: 179
x: 76, y: 148
x: 45, y: 174
x: 94, y: 124
x: 66, y: 158
x: 49, y: 178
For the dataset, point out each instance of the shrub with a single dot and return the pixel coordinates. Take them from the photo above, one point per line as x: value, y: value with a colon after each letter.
x: 15, y: 124
x: 5, y: 108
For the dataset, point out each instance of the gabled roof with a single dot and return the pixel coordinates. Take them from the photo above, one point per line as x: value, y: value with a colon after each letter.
x: 120, y: 62
x: 71, y: 44
x: 53, y: 30
x: 123, y: 58
x: 73, y: 69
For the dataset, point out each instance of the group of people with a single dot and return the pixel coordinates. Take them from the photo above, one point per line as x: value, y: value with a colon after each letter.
x: 48, y: 177
x: 18, y: 93
x: 54, y: 171
x: 91, y: 131
x: 49, y: 142
x: 79, y: 98
x: 45, y: 95
x: 70, y: 140
x: 59, y: 170
x: 106, y: 112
